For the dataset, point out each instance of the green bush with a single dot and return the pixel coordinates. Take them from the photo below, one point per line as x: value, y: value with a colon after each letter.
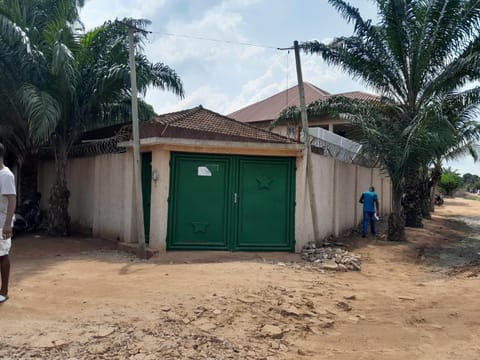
x: 476, y: 186
x: 449, y: 183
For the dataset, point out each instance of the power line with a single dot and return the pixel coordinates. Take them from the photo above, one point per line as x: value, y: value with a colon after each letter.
x: 230, y: 42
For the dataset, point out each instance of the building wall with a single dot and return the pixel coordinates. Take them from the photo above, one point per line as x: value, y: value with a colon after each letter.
x: 110, y: 201
x: 337, y: 189
x: 100, y: 194
x: 345, y: 197
x: 159, y: 205
x: 324, y: 183
x: 102, y: 203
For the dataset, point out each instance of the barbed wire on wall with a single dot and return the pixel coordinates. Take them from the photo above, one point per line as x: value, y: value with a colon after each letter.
x: 326, y: 148
x: 94, y: 147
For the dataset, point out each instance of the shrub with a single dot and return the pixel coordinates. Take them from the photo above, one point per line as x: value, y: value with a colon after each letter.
x: 449, y: 183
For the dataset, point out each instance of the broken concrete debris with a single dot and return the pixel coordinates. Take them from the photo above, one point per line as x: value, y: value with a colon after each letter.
x: 331, y: 258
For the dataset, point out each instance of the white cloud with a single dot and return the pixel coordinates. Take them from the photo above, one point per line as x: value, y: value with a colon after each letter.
x: 279, y: 76
x: 240, y: 3
x: 276, y: 71
x: 222, y: 77
x: 208, y: 96
x: 219, y: 22
x: 96, y: 12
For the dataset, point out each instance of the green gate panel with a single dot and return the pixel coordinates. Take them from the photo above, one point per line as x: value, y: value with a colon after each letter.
x: 198, y: 216
x: 146, y: 192
x: 265, y: 204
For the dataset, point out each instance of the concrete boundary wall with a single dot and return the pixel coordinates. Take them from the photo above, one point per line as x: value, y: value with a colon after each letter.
x: 101, y: 201
x: 338, y: 187
x: 101, y: 190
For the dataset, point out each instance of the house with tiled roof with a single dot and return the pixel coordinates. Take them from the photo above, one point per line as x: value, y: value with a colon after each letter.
x: 262, y: 113
x: 209, y: 182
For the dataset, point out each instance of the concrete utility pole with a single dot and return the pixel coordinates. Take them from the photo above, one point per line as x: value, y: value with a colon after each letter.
x: 137, y: 176
x: 306, y: 139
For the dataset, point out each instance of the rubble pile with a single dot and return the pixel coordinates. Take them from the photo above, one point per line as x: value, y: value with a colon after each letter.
x: 331, y: 258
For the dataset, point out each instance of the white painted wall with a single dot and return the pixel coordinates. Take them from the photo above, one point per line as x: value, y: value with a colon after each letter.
x: 109, y: 206
x: 159, y: 204
x: 102, y: 196
x: 323, y: 180
x: 345, y: 197
x: 338, y: 187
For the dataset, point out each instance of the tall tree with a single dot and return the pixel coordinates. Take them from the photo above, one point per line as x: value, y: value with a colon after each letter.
x: 28, y: 113
x: 457, y: 136
x: 58, y: 81
x: 419, y: 53
x: 94, y: 90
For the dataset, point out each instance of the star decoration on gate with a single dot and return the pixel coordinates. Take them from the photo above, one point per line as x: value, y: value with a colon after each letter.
x: 200, y: 227
x: 264, y: 183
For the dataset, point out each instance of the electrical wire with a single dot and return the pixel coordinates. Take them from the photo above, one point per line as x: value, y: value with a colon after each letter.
x: 230, y: 42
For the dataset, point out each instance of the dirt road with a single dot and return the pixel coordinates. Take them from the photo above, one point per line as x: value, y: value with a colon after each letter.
x: 77, y: 299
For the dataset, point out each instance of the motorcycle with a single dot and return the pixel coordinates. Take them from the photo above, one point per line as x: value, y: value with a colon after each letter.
x: 438, y: 200
x: 28, y: 216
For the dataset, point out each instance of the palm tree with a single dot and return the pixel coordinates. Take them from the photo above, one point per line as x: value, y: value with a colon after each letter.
x: 421, y: 52
x: 456, y: 137
x: 62, y: 81
x: 467, y: 135
x: 28, y: 114
x: 96, y: 92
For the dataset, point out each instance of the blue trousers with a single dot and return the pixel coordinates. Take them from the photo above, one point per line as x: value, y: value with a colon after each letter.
x: 369, y: 216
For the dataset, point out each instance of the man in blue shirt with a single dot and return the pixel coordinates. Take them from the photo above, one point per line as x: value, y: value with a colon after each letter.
x: 369, y: 199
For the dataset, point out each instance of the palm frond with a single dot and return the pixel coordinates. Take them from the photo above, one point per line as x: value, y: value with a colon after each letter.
x: 41, y: 111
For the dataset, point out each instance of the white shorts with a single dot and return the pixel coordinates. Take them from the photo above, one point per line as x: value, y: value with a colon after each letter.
x: 5, y: 246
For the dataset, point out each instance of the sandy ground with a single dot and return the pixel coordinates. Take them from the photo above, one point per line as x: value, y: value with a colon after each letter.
x: 80, y: 299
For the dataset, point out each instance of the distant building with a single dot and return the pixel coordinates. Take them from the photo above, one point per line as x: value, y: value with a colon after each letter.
x: 262, y: 113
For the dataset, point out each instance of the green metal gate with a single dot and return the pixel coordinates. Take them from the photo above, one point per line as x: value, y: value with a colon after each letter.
x: 221, y: 202
x: 146, y: 192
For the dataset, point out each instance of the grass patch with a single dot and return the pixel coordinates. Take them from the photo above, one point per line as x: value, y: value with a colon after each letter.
x: 473, y: 197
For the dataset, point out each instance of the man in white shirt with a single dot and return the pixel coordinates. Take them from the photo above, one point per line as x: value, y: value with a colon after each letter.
x: 8, y: 202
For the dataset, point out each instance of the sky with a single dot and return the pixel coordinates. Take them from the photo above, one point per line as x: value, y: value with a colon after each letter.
x: 225, y: 77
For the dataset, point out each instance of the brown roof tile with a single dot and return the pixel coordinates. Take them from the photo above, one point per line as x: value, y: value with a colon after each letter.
x: 270, y: 108
x: 200, y: 123
x: 359, y: 95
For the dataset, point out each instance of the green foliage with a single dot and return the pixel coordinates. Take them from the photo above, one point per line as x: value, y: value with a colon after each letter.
x: 418, y: 57
x: 470, y: 181
x: 58, y: 81
x: 449, y: 182
x: 476, y: 186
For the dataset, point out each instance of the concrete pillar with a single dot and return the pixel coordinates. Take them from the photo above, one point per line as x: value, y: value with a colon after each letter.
x: 159, y: 204
x: 303, y: 218
x: 336, y: 231
x: 330, y: 127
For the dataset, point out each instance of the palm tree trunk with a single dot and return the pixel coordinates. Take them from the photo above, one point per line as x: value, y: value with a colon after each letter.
x: 58, y: 218
x: 28, y: 178
x: 435, y: 178
x: 413, y: 200
x: 396, y: 221
x: 426, y: 198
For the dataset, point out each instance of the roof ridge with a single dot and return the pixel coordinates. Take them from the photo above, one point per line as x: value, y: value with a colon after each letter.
x: 181, y: 114
x: 245, y: 124
x: 316, y: 88
x: 353, y: 92
x: 264, y: 100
